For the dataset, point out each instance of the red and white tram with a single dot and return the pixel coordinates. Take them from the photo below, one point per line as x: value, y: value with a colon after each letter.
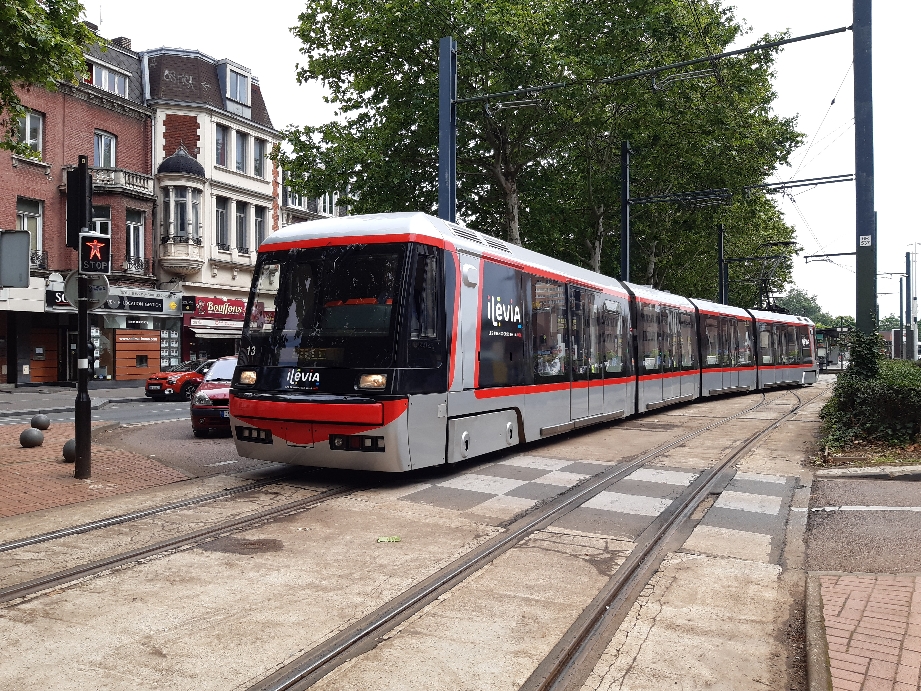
x: 397, y: 341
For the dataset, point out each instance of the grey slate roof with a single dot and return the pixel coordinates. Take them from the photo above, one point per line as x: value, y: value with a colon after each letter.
x: 125, y: 60
x: 181, y: 162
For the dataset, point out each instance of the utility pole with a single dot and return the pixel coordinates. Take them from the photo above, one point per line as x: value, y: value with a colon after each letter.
x: 902, y: 337
x: 625, y: 211
x: 79, y: 214
x: 863, y: 166
x: 909, y: 331
x: 447, y: 129
x: 720, y: 248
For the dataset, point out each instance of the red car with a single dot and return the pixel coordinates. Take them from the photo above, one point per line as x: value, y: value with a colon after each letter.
x: 179, y: 380
x: 210, y: 407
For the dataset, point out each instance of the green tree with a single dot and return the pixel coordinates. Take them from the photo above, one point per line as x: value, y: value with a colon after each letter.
x: 42, y: 44
x: 801, y: 303
x: 544, y: 171
x: 843, y: 322
x: 889, y: 323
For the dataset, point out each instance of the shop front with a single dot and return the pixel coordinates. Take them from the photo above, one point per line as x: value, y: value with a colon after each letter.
x: 211, y: 326
x: 134, y: 334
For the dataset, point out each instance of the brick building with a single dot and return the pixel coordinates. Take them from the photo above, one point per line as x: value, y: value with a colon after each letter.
x: 105, y: 118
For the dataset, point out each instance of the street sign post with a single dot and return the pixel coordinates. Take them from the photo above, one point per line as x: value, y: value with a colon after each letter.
x: 97, y: 290
x: 15, y: 246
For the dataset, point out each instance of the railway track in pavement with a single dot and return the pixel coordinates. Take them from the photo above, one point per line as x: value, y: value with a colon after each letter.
x: 578, y: 646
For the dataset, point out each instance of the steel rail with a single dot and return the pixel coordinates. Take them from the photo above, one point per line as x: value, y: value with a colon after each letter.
x: 136, y: 515
x: 329, y: 654
x: 577, y: 652
x: 234, y: 524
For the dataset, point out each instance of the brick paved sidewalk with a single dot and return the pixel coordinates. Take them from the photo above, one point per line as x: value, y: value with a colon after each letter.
x: 873, y: 629
x: 36, y: 479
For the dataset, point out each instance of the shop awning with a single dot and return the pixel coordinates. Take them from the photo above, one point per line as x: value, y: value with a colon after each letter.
x: 218, y: 333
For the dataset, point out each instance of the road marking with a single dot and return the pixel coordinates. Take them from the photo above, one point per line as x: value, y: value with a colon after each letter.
x: 152, y: 422
x: 831, y: 509
x: 212, y: 465
x: 743, y: 501
x: 628, y: 503
x: 666, y: 477
x: 760, y: 477
x: 483, y: 483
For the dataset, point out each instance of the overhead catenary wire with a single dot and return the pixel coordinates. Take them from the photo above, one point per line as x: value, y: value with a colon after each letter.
x: 824, y: 117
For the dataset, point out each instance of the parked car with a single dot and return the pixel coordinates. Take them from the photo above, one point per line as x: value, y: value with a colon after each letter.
x: 210, y: 408
x: 179, y: 380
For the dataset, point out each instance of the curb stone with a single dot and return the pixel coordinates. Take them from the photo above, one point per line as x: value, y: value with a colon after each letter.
x: 818, y: 667
x: 879, y: 471
x: 102, y: 402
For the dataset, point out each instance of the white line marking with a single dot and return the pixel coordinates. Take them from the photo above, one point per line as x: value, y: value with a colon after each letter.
x: 212, y: 465
x: 915, y: 509
x: 743, y: 501
x: 628, y: 503
x: 759, y: 477
x: 666, y: 477
x: 483, y: 483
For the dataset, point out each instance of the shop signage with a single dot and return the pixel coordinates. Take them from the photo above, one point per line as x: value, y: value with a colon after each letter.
x: 121, y: 300
x: 217, y: 308
x: 215, y: 323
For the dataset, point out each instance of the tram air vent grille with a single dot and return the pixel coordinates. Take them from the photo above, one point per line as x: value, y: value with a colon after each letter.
x: 468, y: 235
x: 495, y: 244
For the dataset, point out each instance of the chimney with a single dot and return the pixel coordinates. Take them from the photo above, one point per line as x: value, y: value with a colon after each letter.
x: 122, y: 42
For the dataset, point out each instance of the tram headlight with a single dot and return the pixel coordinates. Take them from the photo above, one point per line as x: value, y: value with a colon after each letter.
x: 372, y: 381
x: 248, y: 377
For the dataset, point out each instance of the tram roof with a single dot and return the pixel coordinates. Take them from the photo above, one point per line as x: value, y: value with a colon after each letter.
x: 780, y: 318
x: 708, y: 307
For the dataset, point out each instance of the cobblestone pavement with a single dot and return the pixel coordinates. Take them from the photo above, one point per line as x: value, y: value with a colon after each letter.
x: 873, y: 629
x: 38, y: 478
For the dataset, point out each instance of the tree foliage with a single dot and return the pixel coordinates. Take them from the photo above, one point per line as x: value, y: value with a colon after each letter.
x: 545, y: 173
x: 890, y: 322
x: 42, y: 44
x: 798, y: 301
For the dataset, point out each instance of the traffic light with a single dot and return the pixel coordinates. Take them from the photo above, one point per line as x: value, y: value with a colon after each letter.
x: 79, y: 201
x: 95, y: 253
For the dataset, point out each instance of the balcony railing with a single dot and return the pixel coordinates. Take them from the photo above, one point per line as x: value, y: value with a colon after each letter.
x: 138, y: 265
x: 223, y: 246
x: 118, y: 180
x: 242, y: 250
x: 180, y: 240
x: 38, y: 259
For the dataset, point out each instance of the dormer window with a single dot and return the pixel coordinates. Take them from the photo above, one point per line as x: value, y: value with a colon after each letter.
x: 106, y: 78
x: 238, y: 87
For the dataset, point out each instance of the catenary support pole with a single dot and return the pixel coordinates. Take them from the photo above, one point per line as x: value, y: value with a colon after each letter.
x: 863, y: 166
x: 447, y: 129
x: 625, y: 211
x: 911, y: 348
x: 721, y: 251
x: 903, y: 338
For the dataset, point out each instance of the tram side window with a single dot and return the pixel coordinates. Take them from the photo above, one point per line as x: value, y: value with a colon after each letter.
x: 501, y: 356
x: 650, y: 340
x: 426, y: 342
x: 671, y: 338
x: 765, y: 347
x: 688, y: 341
x: 586, y: 362
x: 791, y: 348
x: 549, y: 333
x: 710, y: 340
x: 746, y: 348
x: 805, y: 343
x: 615, y: 333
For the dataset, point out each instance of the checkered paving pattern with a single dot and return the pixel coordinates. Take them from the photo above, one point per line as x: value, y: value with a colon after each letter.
x: 509, y: 487
x: 37, y: 478
x: 873, y: 629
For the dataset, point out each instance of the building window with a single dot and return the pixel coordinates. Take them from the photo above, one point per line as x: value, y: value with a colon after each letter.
x: 102, y: 220
x: 29, y: 217
x: 221, y: 137
x: 238, y: 87
x: 30, y: 131
x: 220, y: 223
x: 259, y: 158
x: 104, y: 150
x: 241, y: 152
x: 259, y: 217
x: 242, y: 234
x: 106, y: 78
x: 134, y: 227
x: 182, y: 213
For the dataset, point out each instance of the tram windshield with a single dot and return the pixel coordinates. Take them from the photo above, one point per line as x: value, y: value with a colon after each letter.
x: 324, y: 307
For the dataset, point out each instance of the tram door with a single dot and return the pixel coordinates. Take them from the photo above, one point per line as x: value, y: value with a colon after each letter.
x: 729, y: 337
x: 579, y: 332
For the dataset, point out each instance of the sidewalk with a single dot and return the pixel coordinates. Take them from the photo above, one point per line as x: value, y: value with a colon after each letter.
x: 38, y: 478
x: 872, y: 626
x: 58, y: 399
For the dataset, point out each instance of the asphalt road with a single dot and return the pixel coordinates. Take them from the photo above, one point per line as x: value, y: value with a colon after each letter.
x: 865, y: 526
x: 136, y: 412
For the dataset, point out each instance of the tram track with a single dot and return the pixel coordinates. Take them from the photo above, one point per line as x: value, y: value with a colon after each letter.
x: 67, y: 576
x: 365, y: 634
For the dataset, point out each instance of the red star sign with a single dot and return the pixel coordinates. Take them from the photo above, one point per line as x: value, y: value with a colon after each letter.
x: 95, y: 247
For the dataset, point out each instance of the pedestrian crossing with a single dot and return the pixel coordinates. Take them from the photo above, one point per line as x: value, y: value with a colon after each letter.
x: 746, y: 521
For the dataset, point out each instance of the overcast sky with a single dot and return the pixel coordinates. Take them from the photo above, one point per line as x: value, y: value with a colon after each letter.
x: 809, y: 76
